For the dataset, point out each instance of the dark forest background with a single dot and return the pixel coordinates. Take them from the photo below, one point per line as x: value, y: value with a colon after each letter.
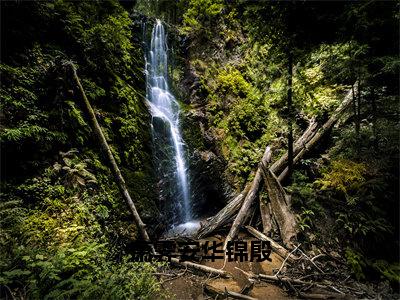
x: 65, y: 232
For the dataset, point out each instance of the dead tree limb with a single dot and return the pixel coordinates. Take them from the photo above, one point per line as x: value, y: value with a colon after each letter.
x: 278, y: 249
x: 205, y: 269
x: 226, y: 214
x: 310, y: 136
x: 286, y: 259
x: 224, y: 294
x: 266, y: 216
x: 321, y: 132
x: 98, y: 133
x: 278, y: 166
x: 248, y: 201
x: 324, y: 296
x: 291, y: 280
x: 281, y: 211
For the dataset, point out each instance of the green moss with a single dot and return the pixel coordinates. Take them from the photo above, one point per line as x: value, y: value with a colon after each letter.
x: 241, y: 118
x: 141, y: 186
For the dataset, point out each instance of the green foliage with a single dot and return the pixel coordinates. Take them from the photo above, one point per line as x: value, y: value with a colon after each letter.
x: 84, y: 273
x: 74, y: 171
x: 305, y: 219
x: 125, y: 280
x: 347, y: 180
x: 339, y: 62
x: 113, y: 39
x: 389, y: 271
x: 301, y: 188
x: 78, y: 122
x: 230, y: 81
x: 360, y: 224
x: 26, y: 123
x: 344, y: 176
x: 357, y: 263
x: 60, y: 247
x: 305, y: 200
x: 323, y: 76
x: 63, y: 225
x: 200, y: 15
x: 241, y: 117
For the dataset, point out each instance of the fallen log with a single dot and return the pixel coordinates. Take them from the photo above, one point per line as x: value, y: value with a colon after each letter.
x: 199, y: 267
x: 224, y: 216
x: 301, y: 146
x: 227, y: 214
x: 279, y: 165
x: 279, y: 206
x: 98, y: 133
x: 324, y: 296
x: 224, y: 294
x: 266, y: 216
x: 321, y: 131
x: 248, y: 201
x: 290, y: 280
x: 278, y: 249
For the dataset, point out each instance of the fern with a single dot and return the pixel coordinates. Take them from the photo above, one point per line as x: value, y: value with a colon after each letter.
x: 356, y: 262
x: 343, y: 176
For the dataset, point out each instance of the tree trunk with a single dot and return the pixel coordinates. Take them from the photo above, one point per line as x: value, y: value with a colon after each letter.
x: 358, y: 119
x: 321, y: 131
x: 199, y: 267
x: 374, y: 113
x: 355, y: 115
x: 308, y: 139
x: 280, y: 208
x: 278, y: 249
x: 358, y: 108
x: 248, y: 201
x: 266, y: 216
x: 107, y: 152
x: 226, y: 214
x: 278, y: 166
x: 290, y: 116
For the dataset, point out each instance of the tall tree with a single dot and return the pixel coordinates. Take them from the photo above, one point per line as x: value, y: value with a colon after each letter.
x: 290, y: 113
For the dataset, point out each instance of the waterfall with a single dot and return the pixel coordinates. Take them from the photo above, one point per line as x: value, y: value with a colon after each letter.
x: 165, y: 123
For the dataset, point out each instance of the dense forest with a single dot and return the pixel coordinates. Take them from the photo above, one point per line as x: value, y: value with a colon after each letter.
x: 275, y: 120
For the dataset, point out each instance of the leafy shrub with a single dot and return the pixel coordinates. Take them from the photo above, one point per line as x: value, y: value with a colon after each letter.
x: 344, y: 176
x: 84, y: 272
x: 390, y: 271
x: 59, y: 247
x: 200, y: 14
x: 356, y: 262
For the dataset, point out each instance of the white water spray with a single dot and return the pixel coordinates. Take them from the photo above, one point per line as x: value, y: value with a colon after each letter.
x: 165, y: 107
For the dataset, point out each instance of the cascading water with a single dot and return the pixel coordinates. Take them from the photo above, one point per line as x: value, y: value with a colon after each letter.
x: 166, y: 133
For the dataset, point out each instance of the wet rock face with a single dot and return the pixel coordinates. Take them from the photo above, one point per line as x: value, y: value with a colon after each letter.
x: 210, y: 190
x: 192, y: 84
